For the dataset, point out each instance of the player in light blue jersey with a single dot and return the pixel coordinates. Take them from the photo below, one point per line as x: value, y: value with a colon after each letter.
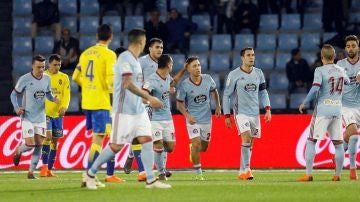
x: 327, y: 89
x: 159, y: 85
x: 193, y: 101
x: 246, y: 84
x: 351, y: 101
x: 33, y: 87
x: 129, y: 117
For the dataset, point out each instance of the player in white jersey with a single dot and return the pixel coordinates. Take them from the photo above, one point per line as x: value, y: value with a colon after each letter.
x: 33, y: 87
x: 351, y: 101
x: 247, y: 85
x: 327, y: 89
x: 129, y: 117
x: 158, y: 85
x: 193, y: 101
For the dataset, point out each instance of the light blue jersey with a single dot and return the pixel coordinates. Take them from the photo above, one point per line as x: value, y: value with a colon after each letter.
x: 124, y: 101
x: 197, y: 97
x: 148, y: 66
x: 351, y: 94
x: 246, y: 88
x: 159, y: 87
x: 34, y: 92
x: 328, y: 87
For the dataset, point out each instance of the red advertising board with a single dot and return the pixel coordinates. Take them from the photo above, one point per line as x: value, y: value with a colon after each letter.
x: 282, y: 145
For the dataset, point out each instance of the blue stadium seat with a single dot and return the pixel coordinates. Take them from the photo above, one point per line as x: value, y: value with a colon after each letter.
x: 264, y: 61
x: 22, y: 7
x: 132, y: 22
x: 221, y: 42
x: 328, y: 36
x: 67, y: 7
x: 125, y: 41
x: 310, y: 41
x: 88, y: 24
x: 290, y: 22
x: 278, y: 81
x: 219, y: 62
x: 115, y: 43
x: 87, y: 41
x: 278, y: 100
x: 203, y: 58
x: 178, y: 62
x: 73, y: 86
x: 203, y: 23
x: 114, y: 22
x: 22, y: 26
x: 89, y: 7
x: 296, y: 99
x: 312, y: 21
x: 22, y: 45
x: 310, y: 57
x: 199, y: 43
x: 44, y: 44
x: 269, y: 22
x: 243, y: 40
x: 281, y: 60
x: 236, y: 60
x: 21, y: 65
x: 216, y: 78
x: 354, y: 17
x: 70, y: 23
x: 266, y: 42
x: 287, y: 41
x: 74, y: 105
x: 180, y: 5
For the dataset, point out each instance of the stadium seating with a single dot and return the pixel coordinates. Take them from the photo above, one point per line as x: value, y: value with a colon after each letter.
x: 281, y: 60
x: 204, y: 62
x: 309, y: 56
x: 22, y: 8
x: 236, y: 60
x: 178, y: 62
x: 125, y: 41
x: 354, y: 17
x: 44, y: 44
x: 278, y: 81
x: 312, y: 22
x: 115, y: 43
x: 67, y: 7
x: 287, y: 42
x: 296, y: 99
x: 243, y: 40
x: 74, y: 105
x: 219, y: 62
x: 87, y: 41
x: 21, y: 65
x: 22, y: 45
x: 327, y: 36
x: 73, y: 86
x: 89, y: 7
x: 180, y: 5
x: 22, y: 26
x: 203, y: 23
x: 290, y: 22
x: 266, y: 42
x: 221, y: 43
x: 278, y: 100
x: 69, y: 22
x: 114, y: 22
x: 199, y: 43
x: 310, y: 41
x: 269, y: 22
x: 264, y: 61
x: 88, y: 24
x: 132, y: 22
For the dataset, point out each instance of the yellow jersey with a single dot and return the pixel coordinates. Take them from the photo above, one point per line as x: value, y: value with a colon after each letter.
x: 95, y: 75
x: 60, y: 87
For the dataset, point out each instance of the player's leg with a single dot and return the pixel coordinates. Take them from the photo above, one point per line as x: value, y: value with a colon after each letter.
x: 352, y: 137
x: 136, y: 148
x: 194, y: 132
x: 158, y: 144
x: 57, y: 132
x: 46, y: 148
x: 335, y: 133
x: 244, y: 130
x: 28, y: 136
x: 168, y: 143
x: 39, y: 130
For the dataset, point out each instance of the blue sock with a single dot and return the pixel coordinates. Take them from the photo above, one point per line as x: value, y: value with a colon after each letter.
x: 45, y: 152
x: 245, y: 153
x: 24, y: 148
x: 35, y: 158
x: 137, y: 155
x: 52, y: 157
x: 309, y: 156
x: 339, y: 158
x: 106, y: 155
x: 147, y: 158
x: 110, y: 167
x: 159, y: 161
x: 353, y: 140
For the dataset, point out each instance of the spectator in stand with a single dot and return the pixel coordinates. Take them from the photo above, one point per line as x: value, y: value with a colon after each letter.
x: 268, y: 6
x: 225, y: 10
x: 68, y: 48
x: 180, y: 30
x: 112, y: 5
x: 298, y: 72
x: 155, y: 28
x: 46, y: 14
x: 201, y: 7
x: 246, y: 16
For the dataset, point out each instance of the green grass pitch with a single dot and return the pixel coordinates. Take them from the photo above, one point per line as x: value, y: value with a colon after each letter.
x: 221, y: 185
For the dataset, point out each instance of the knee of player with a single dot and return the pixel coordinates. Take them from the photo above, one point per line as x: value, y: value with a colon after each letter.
x: 169, y: 148
x: 158, y: 145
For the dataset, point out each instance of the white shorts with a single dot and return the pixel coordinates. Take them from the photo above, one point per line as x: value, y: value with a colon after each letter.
x: 320, y: 125
x: 30, y: 129
x: 163, y: 130
x: 199, y: 130
x: 248, y: 123
x: 350, y: 116
x: 126, y: 127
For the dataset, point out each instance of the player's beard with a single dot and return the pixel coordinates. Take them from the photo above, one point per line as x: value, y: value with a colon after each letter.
x: 352, y: 55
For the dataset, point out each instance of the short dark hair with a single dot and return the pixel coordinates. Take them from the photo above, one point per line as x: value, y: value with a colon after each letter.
x: 104, y: 32
x: 154, y: 40
x: 352, y: 38
x: 54, y: 57
x: 295, y: 51
x: 119, y: 50
x: 135, y: 34
x: 191, y: 58
x: 39, y: 58
x: 242, y: 52
x: 164, y: 60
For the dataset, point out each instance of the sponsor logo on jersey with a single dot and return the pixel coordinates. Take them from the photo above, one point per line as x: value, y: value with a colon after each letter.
x: 250, y: 87
x: 332, y: 102
x: 39, y: 94
x: 200, y: 99
x: 165, y: 95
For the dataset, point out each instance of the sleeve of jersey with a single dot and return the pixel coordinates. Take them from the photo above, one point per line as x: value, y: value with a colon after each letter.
x: 311, y: 95
x: 263, y: 94
x: 148, y: 86
x: 20, y: 85
x: 212, y: 84
x: 110, y: 62
x: 229, y: 89
x: 66, y: 94
x: 125, y: 69
x: 14, y: 100
x: 180, y: 96
x: 77, y: 75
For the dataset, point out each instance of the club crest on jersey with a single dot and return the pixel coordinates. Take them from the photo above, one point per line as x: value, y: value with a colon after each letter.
x: 200, y: 99
x: 60, y: 81
x: 39, y: 94
x: 250, y: 87
x: 165, y: 95
x: 195, y: 131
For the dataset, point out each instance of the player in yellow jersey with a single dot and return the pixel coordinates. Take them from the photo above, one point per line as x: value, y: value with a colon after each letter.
x: 60, y: 86
x: 95, y: 75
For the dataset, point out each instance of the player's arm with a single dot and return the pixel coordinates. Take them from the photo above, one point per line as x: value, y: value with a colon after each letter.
x: 228, y: 91
x: 77, y: 75
x: 147, y: 88
x: 178, y: 76
x: 65, y: 101
x: 216, y: 97
x: 313, y: 91
x: 110, y: 72
x: 264, y: 98
x: 14, y: 101
x: 180, y: 98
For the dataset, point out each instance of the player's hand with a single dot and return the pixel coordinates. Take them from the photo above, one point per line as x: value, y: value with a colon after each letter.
x: 20, y: 111
x: 302, y: 108
x: 154, y: 102
x: 190, y: 119
x: 56, y: 100
x: 62, y: 111
x: 358, y: 77
x: 218, y: 112
x: 267, y: 116
x: 172, y: 90
x: 228, y: 122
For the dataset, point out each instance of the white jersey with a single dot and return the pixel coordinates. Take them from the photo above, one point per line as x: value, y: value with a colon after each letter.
x: 148, y: 66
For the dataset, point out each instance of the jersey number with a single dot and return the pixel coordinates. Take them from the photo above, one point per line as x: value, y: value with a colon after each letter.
x: 336, y: 85
x: 90, y: 70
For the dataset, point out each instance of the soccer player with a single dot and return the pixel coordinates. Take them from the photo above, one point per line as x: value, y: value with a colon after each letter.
x: 327, y: 87
x: 95, y: 74
x: 60, y: 86
x: 248, y: 87
x: 351, y: 101
x: 159, y: 85
x: 193, y: 101
x: 33, y: 87
x: 130, y: 119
